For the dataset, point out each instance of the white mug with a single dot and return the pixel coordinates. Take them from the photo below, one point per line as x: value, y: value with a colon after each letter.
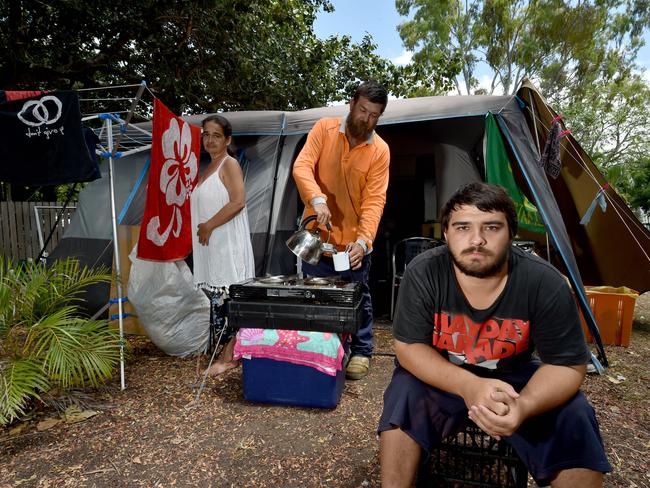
x: 341, y: 261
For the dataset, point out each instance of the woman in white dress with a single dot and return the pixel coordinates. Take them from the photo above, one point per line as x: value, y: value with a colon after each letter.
x: 222, y: 251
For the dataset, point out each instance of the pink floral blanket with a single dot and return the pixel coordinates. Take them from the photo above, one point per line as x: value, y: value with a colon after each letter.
x: 320, y: 350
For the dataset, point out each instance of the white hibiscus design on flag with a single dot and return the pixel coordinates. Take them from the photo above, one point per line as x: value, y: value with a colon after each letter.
x: 176, y: 178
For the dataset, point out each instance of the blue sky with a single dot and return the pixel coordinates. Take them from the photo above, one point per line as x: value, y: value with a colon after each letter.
x: 356, y: 17
x: 380, y: 19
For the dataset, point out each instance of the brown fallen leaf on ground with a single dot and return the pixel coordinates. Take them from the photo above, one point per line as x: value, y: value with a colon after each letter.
x: 73, y: 414
x: 47, y: 424
x: 17, y: 429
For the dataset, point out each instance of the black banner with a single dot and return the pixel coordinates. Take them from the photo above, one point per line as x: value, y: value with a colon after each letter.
x: 42, y: 142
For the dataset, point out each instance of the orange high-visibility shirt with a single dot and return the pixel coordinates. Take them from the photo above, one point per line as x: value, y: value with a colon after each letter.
x: 353, y: 182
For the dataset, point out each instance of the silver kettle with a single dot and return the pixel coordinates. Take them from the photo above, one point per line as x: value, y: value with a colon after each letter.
x: 307, y: 244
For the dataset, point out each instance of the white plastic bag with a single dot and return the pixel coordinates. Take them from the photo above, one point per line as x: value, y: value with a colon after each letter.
x: 175, y: 316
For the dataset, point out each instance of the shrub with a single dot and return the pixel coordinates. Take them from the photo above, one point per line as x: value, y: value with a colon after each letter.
x: 45, y: 342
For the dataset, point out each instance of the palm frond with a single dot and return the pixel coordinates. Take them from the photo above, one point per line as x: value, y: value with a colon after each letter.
x: 6, y: 302
x: 67, y: 281
x: 41, y: 333
x: 79, y: 352
x: 20, y: 381
x: 20, y: 290
x: 38, y: 289
x: 43, y: 340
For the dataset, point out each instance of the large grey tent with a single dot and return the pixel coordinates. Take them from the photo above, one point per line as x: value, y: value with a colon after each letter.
x: 435, y: 142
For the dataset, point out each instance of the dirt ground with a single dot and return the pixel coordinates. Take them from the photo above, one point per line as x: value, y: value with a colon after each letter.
x: 153, y: 435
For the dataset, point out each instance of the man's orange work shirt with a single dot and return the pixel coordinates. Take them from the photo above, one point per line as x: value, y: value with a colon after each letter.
x: 354, y: 182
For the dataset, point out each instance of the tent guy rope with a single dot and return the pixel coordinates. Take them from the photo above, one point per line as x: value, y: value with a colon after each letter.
x: 611, y: 201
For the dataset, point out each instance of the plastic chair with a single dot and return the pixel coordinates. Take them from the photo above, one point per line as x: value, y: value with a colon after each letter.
x: 528, y: 246
x: 403, y: 252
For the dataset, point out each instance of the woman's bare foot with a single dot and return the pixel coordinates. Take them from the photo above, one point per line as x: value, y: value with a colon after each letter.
x: 220, y: 367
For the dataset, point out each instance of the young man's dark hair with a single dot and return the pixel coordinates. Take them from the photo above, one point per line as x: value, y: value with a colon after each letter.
x: 485, y: 197
x: 373, y: 91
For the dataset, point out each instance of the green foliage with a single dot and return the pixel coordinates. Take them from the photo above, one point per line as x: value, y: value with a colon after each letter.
x: 611, y: 120
x: 634, y: 183
x: 563, y: 46
x: 20, y: 379
x: 638, y: 186
x: 198, y: 56
x: 441, y: 33
x: 44, y: 342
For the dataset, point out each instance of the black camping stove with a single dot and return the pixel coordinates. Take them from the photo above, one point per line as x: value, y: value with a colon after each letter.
x: 289, y: 302
x: 312, y: 290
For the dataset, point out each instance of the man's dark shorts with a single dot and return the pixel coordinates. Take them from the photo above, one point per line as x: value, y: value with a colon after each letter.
x: 563, y: 438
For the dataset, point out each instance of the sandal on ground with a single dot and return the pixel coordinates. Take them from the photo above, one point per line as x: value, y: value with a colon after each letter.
x: 358, y: 367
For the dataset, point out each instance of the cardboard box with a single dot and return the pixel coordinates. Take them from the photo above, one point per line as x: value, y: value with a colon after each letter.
x: 613, y: 309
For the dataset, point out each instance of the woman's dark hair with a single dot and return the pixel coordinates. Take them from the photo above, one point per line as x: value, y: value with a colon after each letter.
x: 487, y: 198
x: 221, y: 121
x: 373, y: 91
x: 225, y: 127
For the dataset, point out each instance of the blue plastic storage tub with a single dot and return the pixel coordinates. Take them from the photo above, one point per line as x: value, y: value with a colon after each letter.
x: 270, y: 381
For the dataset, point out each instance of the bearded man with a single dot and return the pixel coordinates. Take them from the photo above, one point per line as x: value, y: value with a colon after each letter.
x: 342, y: 176
x: 469, y: 317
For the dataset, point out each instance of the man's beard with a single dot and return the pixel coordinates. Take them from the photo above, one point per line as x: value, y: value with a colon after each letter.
x: 478, y: 271
x: 358, y: 130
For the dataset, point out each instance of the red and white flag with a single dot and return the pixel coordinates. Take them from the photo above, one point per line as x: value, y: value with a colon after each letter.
x: 166, y: 229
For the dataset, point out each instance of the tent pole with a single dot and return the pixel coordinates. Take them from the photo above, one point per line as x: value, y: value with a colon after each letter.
x: 532, y: 109
x: 116, y: 247
x: 276, y: 161
x: 539, y: 151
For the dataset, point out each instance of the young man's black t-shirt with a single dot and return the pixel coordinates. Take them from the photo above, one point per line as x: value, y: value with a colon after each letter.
x: 535, y: 311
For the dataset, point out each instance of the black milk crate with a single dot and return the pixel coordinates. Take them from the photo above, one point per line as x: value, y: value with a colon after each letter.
x: 294, y: 316
x: 473, y: 459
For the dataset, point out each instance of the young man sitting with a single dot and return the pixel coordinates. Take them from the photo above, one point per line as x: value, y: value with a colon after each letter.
x: 469, y: 316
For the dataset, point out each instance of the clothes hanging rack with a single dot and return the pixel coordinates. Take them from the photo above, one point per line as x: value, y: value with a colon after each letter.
x: 117, y: 138
x: 112, y: 87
